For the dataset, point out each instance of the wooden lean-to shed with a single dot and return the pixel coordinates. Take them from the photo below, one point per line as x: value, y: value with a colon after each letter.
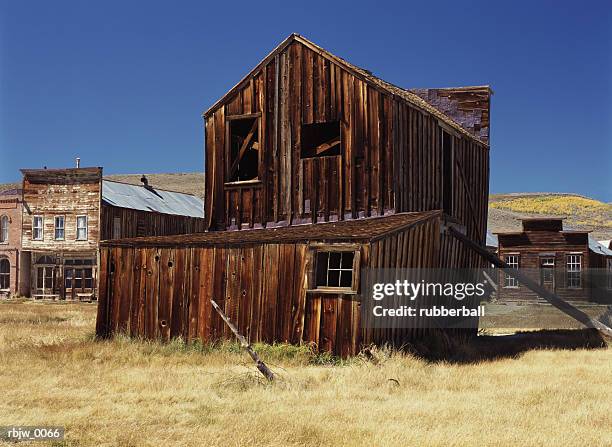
x: 315, y: 169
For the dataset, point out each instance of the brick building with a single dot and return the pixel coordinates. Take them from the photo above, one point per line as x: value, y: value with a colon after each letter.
x: 10, y: 241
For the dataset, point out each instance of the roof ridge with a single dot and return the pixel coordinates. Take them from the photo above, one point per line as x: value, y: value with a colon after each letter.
x: 156, y: 189
x: 367, y: 76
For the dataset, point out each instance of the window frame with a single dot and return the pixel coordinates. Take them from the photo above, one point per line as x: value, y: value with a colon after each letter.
x: 314, y: 250
x: 546, y: 265
x: 324, y: 153
x: 5, y: 276
x: 570, y: 271
x: 510, y: 282
x: 4, y: 229
x: 228, y: 151
x: 41, y: 228
x: 55, y: 228
x: 609, y: 273
x: 86, y: 227
x: 116, y: 219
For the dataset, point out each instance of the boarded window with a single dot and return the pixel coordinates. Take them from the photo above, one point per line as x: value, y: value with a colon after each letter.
x: 244, y: 149
x: 116, y: 227
x: 335, y: 269
x: 4, y: 224
x: 321, y: 139
x: 5, y: 274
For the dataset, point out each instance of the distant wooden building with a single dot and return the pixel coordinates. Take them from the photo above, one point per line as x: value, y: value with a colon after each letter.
x: 567, y: 262
x: 315, y: 169
x: 10, y: 241
x: 66, y: 212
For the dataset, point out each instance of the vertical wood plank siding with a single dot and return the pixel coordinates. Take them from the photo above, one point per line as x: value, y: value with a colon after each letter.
x: 165, y: 292
x: 391, y: 158
x: 136, y: 223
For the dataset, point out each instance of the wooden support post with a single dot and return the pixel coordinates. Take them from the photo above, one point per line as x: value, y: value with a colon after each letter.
x: 552, y: 298
x: 261, y: 366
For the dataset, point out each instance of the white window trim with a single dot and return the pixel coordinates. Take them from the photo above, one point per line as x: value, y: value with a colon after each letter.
x: 55, y: 228
x: 86, y: 228
x: 42, y: 227
x: 573, y: 264
x: 513, y: 264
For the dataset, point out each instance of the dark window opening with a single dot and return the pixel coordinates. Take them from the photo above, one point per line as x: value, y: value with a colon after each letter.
x: 5, y: 274
x: 447, y: 173
x: 78, y: 278
x: 244, y: 149
x: 335, y: 269
x: 321, y: 139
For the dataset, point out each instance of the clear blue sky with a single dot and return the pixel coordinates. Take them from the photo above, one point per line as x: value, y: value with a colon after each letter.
x: 123, y: 84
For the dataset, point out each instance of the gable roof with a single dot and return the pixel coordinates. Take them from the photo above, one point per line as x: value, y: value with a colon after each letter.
x: 124, y: 195
x: 412, y: 98
x: 363, y: 230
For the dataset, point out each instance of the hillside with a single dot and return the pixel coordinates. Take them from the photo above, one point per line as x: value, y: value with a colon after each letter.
x: 580, y: 213
x: 190, y: 183
x: 504, y: 211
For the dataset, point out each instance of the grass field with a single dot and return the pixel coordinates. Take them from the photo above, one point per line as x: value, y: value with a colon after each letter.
x: 135, y: 393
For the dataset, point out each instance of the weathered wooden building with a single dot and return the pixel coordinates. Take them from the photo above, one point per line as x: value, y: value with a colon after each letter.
x: 66, y: 212
x: 10, y: 241
x: 567, y: 262
x: 315, y: 169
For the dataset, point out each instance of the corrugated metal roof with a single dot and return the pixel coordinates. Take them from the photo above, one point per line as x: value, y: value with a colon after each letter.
x: 606, y: 243
x: 137, y: 197
x: 491, y: 239
x: 596, y: 247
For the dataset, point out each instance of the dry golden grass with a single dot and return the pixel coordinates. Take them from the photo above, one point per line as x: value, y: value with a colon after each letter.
x: 582, y: 210
x: 129, y: 393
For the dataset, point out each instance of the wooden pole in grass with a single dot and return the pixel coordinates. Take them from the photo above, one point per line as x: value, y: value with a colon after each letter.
x: 552, y: 298
x: 261, y: 366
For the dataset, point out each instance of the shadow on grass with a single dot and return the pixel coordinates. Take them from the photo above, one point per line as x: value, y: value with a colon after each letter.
x: 494, y: 347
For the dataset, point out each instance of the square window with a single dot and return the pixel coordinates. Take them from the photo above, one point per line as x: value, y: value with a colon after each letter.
x: 321, y: 140
x: 335, y: 269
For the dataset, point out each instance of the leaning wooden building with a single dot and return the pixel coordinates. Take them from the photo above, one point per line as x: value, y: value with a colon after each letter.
x: 315, y: 169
